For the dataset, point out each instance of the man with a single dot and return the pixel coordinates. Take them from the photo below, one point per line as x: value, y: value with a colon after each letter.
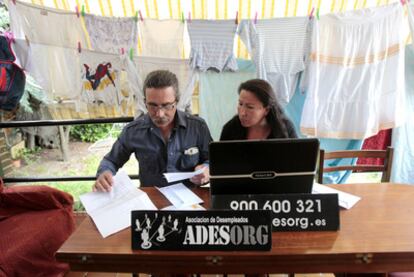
x: 163, y: 140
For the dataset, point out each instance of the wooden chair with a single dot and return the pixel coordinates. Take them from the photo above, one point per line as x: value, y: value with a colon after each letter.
x: 385, y: 168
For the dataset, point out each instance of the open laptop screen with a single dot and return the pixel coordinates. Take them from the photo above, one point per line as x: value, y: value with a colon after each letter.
x: 263, y: 166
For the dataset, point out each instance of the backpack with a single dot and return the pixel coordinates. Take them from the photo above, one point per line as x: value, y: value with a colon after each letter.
x: 12, y: 77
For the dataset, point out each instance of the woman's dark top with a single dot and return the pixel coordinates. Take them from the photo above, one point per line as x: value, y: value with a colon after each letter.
x: 233, y: 130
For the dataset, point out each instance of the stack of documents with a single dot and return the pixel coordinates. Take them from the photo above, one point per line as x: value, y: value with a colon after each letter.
x: 111, y: 211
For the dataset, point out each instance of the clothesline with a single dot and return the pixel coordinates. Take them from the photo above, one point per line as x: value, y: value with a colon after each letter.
x: 210, y: 9
x: 279, y: 47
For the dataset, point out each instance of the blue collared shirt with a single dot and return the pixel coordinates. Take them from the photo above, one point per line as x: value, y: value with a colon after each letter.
x: 186, y: 148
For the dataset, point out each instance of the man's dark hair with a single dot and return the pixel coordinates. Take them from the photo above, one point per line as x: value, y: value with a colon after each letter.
x: 162, y: 79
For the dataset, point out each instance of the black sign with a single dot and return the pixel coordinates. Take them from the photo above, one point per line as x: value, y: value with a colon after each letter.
x: 290, y: 212
x: 201, y: 230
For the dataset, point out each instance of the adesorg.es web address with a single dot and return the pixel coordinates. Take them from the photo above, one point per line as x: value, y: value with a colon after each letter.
x: 300, y: 222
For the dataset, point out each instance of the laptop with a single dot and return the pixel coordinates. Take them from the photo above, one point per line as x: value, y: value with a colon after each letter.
x: 272, y: 166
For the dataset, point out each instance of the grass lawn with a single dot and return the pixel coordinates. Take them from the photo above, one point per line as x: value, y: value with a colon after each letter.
x: 82, y: 162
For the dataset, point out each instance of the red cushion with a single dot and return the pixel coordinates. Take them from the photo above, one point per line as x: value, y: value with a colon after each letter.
x: 34, y: 223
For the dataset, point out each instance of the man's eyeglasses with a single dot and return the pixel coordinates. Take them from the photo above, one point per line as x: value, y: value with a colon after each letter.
x: 165, y: 107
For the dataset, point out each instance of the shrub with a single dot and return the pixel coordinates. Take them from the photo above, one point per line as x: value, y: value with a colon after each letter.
x: 90, y: 132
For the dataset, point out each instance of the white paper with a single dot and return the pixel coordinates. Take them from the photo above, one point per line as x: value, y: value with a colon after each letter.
x: 180, y: 196
x: 194, y: 207
x: 111, y: 211
x: 177, y: 176
x: 346, y: 200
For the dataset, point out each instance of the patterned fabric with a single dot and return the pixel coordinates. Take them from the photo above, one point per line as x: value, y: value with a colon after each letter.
x: 212, y: 44
x: 82, y: 78
x: 378, y: 142
x: 278, y: 47
x: 107, y: 79
x: 111, y: 34
x: 101, y: 74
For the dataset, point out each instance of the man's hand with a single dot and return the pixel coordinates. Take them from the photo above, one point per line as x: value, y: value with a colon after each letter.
x: 202, y: 178
x: 104, y: 182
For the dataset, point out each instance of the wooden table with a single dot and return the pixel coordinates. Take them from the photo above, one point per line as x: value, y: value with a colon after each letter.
x: 376, y: 235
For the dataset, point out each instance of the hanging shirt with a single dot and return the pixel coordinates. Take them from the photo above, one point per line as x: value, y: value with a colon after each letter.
x: 162, y: 38
x: 55, y: 69
x: 278, y: 47
x: 110, y: 34
x: 101, y: 78
x: 356, y: 74
x: 212, y: 44
x: 218, y: 98
x: 46, y: 25
x: 86, y: 78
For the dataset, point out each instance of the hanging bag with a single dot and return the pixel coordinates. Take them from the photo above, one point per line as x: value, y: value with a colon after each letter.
x: 12, y: 77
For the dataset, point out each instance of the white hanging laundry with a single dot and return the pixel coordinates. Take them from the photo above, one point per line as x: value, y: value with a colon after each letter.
x: 187, y: 78
x: 278, y: 47
x: 162, y: 38
x: 44, y: 25
x: 56, y: 69
x: 101, y: 78
x: 212, y: 44
x: 356, y: 74
x: 110, y: 34
x: 81, y: 78
x: 410, y: 8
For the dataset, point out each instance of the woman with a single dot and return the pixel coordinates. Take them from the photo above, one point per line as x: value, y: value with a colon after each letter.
x: 259, y: 116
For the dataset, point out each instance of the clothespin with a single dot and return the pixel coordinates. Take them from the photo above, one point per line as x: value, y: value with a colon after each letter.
x: 122, y: 50
x: 255, y: 18
x: 27, y: 40
x: 189, y: 16
x: 317, y: 13
x: 402, y: 2
x: 131, y: 54
x: 140, y: 16
x: 311, y: 13
x: 237, y: 18
x: 83, y: 11
x: 14, y: 2
x: 9, y: 36
x: 77, y: 10
x: 182, y: 17
x: 79, y: 47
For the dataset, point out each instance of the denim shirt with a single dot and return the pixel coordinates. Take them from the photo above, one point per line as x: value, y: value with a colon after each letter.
x: 186, y: 148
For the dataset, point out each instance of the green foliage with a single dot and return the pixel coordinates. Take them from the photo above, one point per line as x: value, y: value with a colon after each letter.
x: 32, y: 90
x: 90, y: 132
x: 4, y: 19
x: 81, y: 165
x: 75, y: 188
x: 29, y: 156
